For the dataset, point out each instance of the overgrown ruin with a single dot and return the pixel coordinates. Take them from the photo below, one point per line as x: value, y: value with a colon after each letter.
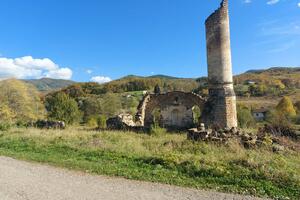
x: 176, y: 108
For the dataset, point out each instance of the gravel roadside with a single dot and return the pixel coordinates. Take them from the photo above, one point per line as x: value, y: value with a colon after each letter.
x: 20, y: 180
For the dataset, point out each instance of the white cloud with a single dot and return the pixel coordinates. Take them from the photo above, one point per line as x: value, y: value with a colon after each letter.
x: 89, y: 71
x: 247, y: 1
x: 272, y: 2
x: 28, y: 67
x: 62, y: 73
x: 100, y: 79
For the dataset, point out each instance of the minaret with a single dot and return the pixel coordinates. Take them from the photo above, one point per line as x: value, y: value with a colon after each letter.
x: 221, y: 109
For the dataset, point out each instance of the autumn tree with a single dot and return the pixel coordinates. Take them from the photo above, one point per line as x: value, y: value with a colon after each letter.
x: 286, y: 107
x: 19, y: 101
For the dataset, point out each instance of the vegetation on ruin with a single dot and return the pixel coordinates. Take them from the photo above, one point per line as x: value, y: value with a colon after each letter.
x: 161, y: 157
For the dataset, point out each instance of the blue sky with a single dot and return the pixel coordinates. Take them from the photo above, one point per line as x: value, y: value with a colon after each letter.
x: 101, y: 40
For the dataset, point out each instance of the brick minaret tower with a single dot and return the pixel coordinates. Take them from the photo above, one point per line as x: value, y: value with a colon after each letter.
x: 221, y: 107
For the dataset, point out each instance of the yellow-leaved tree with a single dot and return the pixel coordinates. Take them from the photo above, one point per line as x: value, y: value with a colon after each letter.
x: 286, y: 107
x: 19, y: 101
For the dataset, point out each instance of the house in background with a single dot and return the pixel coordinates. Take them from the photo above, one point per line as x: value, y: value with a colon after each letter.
x: 259, y: 114
x: 250, y: 82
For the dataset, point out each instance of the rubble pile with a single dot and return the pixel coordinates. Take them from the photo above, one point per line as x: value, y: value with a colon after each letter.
x: 248, y: 140
x: 122, y: 121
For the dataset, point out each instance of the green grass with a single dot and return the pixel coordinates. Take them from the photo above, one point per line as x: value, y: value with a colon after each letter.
x: 165, y: 158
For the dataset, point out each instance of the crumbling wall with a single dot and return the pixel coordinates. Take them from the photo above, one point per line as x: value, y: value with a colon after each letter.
x: 176, y: 109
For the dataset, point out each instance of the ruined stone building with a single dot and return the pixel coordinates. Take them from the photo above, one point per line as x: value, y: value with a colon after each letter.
x: 219, y: 110
x: 175, y: 109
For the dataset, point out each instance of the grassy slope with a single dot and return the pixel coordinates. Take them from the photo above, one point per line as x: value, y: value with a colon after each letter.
x: 167, y: 158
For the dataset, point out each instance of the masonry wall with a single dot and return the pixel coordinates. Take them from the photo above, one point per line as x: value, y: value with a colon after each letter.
x: 176, y: 109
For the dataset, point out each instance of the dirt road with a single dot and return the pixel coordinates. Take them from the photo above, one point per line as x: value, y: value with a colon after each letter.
x: 21, y: 180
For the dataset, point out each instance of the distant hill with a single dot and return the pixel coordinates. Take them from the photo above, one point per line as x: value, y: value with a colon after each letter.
x: 164, y: 77
x: 140, y: 83
x: 290, y: 74
x: 48, y: 84
x: 274, y: 69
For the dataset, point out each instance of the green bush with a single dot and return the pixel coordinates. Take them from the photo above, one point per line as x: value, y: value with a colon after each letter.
x: 21, y: 124
x: 245, y: 118
x: 156, y: 130
x: 278, y: 118
x: 92, y: 122
x: 62, y: 107
x: 101, y: 122
x: 4, y: 126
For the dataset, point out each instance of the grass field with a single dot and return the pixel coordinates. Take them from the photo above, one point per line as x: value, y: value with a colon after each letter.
x: 162, y: 157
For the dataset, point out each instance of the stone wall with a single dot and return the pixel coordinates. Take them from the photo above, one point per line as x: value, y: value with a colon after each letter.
x: 176, y: 109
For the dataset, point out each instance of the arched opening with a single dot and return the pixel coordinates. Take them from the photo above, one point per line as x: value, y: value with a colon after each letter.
x: 196, y: 115
x: 177, y: 110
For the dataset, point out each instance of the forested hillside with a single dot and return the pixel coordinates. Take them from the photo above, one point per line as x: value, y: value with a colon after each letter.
x: 48, y: 84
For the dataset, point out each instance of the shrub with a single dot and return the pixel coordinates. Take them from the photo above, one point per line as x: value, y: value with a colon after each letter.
x: 245, y: 118
x: 5, y: 126
x: 21, y: 124
x: 101, y: 122
x: 275, y: 117
x: 286, y: 107
x: 92, y: 122
x: 62, y: 107
x: 156, y: 130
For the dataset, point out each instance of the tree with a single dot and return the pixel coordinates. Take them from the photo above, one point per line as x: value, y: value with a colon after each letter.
x: 62, y: 107
x: 286, y: 107
x: 111, y: 104
x: 245, y: 118
x: 90, y: 106
x: 156, y: 89
x: 278, y: 84
x: 19, y: 101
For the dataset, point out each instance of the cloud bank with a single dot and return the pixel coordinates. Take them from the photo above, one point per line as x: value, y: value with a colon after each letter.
x: 28, y: 67
x: 100, y: 79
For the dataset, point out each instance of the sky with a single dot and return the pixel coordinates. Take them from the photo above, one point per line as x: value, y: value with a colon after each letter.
x: 103, y: 40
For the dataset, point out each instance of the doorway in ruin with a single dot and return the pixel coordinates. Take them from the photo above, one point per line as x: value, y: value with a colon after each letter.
x: 157, y: 117
x: 176, y: 119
